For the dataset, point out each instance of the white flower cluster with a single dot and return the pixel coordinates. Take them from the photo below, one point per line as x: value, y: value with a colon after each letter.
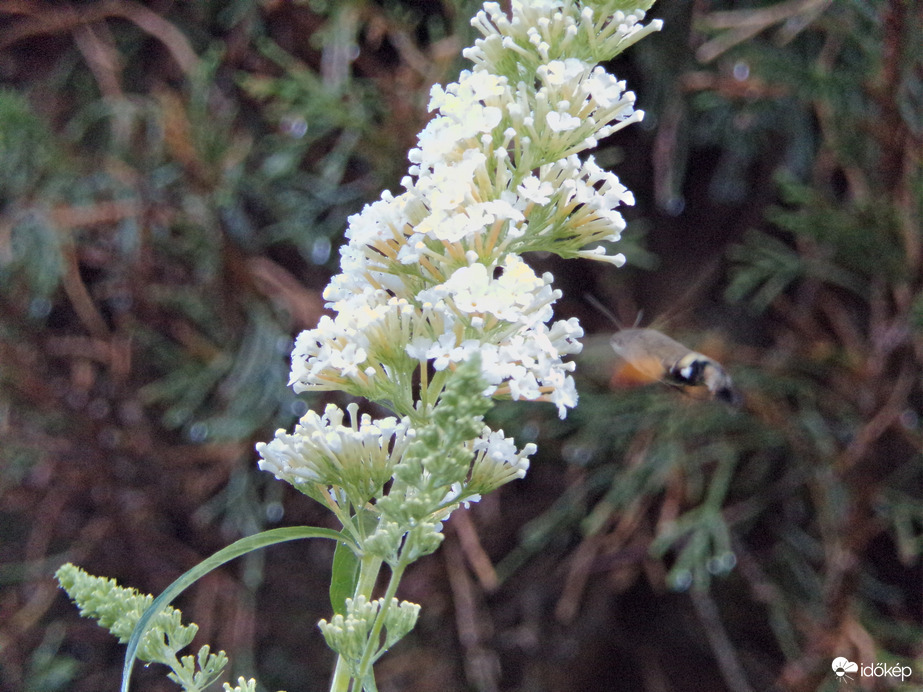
x: 434, y: 274
x: 360, y: 456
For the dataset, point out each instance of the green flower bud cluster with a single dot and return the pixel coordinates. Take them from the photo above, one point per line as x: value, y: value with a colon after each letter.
x: 349, y: 634
x: 118, y: 609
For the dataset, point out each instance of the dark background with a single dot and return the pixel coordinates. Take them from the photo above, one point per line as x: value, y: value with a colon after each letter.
x: 175, y: 179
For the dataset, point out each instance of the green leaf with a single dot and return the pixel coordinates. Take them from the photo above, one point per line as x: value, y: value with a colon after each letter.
x: 344, y: 578
x: 236, y: 549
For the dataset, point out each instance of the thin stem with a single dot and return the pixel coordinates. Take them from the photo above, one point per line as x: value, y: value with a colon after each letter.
x: 369, y: 567
x: 375, y: 634
x: 341, y: 676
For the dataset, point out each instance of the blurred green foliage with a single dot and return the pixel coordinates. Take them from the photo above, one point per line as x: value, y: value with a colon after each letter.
x: 807, y: 504
x: 172, y: 188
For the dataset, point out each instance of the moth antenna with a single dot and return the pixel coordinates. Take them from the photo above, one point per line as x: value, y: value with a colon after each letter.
x: 638, y: 319
x: 594, y: 301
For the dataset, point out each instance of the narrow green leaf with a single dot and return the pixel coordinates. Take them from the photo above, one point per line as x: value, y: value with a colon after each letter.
x: 236, y: 549
x: 345, y: 577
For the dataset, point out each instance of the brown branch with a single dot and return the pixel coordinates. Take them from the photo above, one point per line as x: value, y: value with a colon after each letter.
x: 278, y: 284
x: 744, y: 24
x: 99, y: 214
x: 728, y: 662
x: 99, y: 52
x: 27, y: 7
x: 747, y: 89
x: 474, y: 552
x: 79, y: 296
x: 69, y: 18
x: 581, y: 561
x: 114, y: 353
x: 886, y: 416
x: 482, y: 667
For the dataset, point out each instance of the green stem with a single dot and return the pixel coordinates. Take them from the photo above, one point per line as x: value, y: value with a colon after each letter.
x: 375, y: 635
x: 369, y: 567
x: 720, y: 482
x: 341, y: 676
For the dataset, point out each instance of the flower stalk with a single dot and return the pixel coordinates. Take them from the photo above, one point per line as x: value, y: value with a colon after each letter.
x: 435, y: 311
